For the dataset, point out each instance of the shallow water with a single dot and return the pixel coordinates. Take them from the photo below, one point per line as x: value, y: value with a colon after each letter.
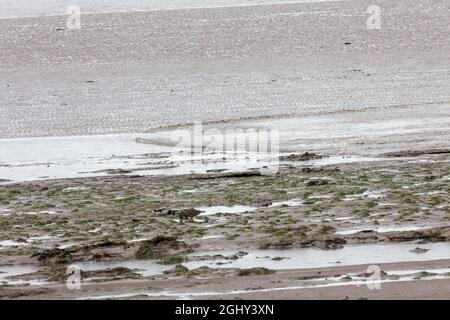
x: 144, y: 268
x: 65, y: 157
x: 29, y: 159
x: 19, y: 270
x: 207, y: 211
x: 210, y: 237
x: 10, y: 243
x: 289, y: 203
x: 316, y: 258
x: 293, y: 258
x: 383, y: 229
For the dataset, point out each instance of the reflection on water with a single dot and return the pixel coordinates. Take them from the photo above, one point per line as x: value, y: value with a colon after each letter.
x: 19, y: 270
x: 316, y: 258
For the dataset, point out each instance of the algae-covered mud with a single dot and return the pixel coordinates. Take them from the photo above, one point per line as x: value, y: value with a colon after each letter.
x: 214, y: 235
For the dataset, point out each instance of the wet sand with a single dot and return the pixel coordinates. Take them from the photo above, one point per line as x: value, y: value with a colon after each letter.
x: 128, y: 72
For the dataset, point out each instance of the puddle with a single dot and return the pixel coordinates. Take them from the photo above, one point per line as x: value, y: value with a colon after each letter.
x: 287, y: 203
x: 50, y: 212
x: 68, y: 245
x: 19, y: 270
x: 342, y: 218
x: 367, y: 194
x: 142, y: 267
x: 31, y: 159
x: 32, y: 282
x: 207, y: 211
x: 387, y: 204
x: 383, y: 229
x: 292, y: 259
x: 315, y: 258
x: 190, y: 191
x: 10, y: 243
x: 40, y: 238
x: 31, y: 213
x: 76, y: 188
x: 194, y: 220
x: 295, y: 259
x: 138, y: 239
x: 210, y: 237
x: 333, y: 160
x: 45, y: 239
x: 321, y: 197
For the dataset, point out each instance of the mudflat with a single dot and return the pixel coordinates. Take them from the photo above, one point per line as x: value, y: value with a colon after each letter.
x: 128, y: 72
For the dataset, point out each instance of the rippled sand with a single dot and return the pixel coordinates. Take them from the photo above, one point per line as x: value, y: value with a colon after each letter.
x: 127, y: 72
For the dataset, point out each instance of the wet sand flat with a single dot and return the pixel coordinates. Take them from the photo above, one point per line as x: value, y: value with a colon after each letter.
x: 89, y: 178
x: 23, y: 8
x: 349, y: 137
x: 128, y: 72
